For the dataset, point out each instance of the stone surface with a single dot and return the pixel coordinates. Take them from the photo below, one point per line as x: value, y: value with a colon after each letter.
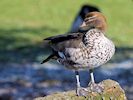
x: 112, y: 91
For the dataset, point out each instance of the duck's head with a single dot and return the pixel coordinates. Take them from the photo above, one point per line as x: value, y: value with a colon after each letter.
x: 94, y: 20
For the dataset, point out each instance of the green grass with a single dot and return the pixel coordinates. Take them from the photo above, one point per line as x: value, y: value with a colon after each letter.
x: 27, y: 22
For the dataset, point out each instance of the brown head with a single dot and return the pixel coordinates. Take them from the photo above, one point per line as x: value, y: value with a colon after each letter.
x: 94, y: 20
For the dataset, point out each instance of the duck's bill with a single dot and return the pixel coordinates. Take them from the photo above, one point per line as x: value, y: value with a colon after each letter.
x: 83, y: 26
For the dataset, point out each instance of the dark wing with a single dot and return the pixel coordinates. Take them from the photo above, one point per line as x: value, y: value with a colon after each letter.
x: 65, y: 37
x: 61, y: 42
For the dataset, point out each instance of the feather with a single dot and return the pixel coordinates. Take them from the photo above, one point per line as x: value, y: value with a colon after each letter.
x: 61, y: 38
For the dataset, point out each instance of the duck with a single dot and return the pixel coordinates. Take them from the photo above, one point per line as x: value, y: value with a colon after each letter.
x: 86, y: 49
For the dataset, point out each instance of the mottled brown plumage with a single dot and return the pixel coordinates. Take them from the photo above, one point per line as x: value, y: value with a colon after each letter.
x: 88, y: 49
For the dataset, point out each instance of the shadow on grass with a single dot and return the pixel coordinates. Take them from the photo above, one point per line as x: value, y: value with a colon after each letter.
x: 35, y: 53
x: 123, y: 53
x: 14, y: 47
x: 28, y: 52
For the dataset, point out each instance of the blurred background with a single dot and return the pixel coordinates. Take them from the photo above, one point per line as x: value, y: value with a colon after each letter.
x: 25, y: 23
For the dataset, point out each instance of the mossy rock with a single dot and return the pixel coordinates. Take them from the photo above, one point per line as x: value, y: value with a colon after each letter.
x: 112, y: 91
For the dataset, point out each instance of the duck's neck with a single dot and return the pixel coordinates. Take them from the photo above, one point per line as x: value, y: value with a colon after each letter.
x: 92, y: 35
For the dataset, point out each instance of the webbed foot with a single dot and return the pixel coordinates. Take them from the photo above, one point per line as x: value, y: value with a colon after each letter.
x: 96, y: 87
x: 80, y: 91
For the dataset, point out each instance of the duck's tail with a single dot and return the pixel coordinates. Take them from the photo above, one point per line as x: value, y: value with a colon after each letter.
x: 48, y: 58
x: 54, y: 56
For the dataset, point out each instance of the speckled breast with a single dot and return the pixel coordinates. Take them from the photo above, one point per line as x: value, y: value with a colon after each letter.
x: 93, y: 51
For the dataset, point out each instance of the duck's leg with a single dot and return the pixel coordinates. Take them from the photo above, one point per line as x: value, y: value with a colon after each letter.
x: 92, y: 76
x: 93, y: 86
x: 80, y: 91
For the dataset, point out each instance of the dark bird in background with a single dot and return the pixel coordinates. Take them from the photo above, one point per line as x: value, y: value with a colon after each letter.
x: 81, y: 16
x: 83, y: 50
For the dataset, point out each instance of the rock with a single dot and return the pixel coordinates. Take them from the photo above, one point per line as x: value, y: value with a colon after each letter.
x: 112, y: 91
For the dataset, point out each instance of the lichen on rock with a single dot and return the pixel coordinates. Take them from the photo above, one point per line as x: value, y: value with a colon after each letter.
x: 112, y: 91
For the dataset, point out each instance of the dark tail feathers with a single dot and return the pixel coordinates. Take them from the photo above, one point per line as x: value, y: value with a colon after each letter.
x: 48, y: 58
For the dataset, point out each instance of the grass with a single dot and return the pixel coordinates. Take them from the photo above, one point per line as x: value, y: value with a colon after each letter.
x: 26, y: 22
